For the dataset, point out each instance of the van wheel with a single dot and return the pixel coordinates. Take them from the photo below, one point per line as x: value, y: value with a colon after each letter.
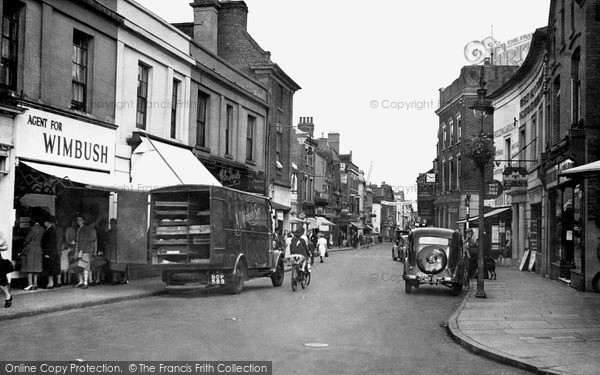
x: 407, y: 287
x: 237, y: 283
x: 277, y: 276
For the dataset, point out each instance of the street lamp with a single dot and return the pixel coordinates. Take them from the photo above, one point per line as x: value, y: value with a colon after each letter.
x: 481, y: 153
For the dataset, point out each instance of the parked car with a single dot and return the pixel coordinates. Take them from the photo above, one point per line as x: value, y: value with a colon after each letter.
x: 435, y: 257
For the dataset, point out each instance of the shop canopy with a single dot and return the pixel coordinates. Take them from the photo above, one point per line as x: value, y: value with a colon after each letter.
x: 157, y: 164
x: 323, y: 221
x: 593, y: 167
x: 154, y: 164
x: 81, y: 176
x: 493, y: 212
x: 357, y: 225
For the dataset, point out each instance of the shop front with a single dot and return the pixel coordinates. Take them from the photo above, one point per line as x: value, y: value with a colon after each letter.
x: 56, y: 158
x: 235, y: 175
x: 585, y: 275
x: 564, y: 215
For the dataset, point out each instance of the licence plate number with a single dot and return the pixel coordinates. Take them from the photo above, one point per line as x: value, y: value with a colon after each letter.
x: 216, y: 279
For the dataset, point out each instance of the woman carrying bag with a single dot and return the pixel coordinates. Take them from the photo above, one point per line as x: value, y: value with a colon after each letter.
x: 5, y: 269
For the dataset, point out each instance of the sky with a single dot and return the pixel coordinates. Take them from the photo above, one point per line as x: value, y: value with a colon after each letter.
x: 372, y: 71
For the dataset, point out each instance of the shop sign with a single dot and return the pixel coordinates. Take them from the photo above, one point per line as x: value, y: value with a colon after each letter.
x: 493, y: 189
x: 514, y: 177
x: 552, y: 178
x: 430, y: 178
x: 46, y: 136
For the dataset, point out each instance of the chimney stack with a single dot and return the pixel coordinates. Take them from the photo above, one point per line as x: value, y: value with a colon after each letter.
x: 206, y: 25
x: 334, y: 141
x: 306, y: 125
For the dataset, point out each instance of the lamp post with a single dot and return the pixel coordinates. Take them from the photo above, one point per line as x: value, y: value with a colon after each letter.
x: 480, y: 153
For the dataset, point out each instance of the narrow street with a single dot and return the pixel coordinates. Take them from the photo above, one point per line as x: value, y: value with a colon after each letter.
x: 355, y: 304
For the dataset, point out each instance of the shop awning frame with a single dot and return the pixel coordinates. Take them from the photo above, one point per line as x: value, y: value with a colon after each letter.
x: 582, y: 170
x: 494, y: 212
x: 68, y: 175
x: 323, y: 221
x: 357, y: 225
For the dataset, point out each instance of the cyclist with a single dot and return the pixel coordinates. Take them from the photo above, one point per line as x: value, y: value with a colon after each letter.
x: 299, y: 246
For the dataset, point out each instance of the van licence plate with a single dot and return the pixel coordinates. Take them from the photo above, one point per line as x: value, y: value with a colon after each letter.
x: 216, y: 278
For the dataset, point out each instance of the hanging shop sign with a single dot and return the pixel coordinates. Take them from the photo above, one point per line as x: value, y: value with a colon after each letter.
x: 514, y: 177
x: 493, y: 189
x: 45, y: 136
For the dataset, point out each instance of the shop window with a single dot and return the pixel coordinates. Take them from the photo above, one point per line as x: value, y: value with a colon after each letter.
x: 79, y: 86
x: 203, y: 101
x: 534, y: 135
x: 228, y: 129
x: 278, y: 142
x: 556, y: 111
x: 522, y: 144
x: 174, y: 102
x: 250, y: 138
x: 4, y: 164
x: 142, y: 96
x: 576, y: 87
x: 8, y: 59
x: 507, y: 150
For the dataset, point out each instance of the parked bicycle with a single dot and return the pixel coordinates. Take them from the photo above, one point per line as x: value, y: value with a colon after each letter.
x: 300, y: 273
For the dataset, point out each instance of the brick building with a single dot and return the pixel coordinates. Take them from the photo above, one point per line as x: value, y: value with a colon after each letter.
x: 457, y: 175
x: 518, y: 136
x: 57, y: 112
x: 222, y: 27
x: 426, y: 188
x: 572, y: 135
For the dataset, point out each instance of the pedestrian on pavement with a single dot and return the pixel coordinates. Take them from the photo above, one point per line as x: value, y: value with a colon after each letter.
x: 51, y: 261
x: 322, y: 246
x: 69, y: 246
x: 85, y: 247
x: 470, y: 247
x: 288, y: 241
x: 3, y: 279
x: 32, y: 254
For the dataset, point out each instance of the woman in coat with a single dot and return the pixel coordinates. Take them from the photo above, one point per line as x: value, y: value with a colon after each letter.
x: 3, y: 278
x: 32, y: 254
x: 51, y: 262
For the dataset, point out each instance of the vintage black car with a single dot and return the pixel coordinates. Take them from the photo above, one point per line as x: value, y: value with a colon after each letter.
x: 435, y: 257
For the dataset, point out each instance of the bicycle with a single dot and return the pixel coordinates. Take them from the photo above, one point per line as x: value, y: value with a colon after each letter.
x: 299, y: 276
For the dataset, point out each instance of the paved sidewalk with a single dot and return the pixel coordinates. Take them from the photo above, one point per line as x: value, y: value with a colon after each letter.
x: 531, y: 322
x: 41, y: 301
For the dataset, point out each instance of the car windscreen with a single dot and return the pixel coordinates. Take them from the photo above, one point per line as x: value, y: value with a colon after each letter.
x: 434, y: 241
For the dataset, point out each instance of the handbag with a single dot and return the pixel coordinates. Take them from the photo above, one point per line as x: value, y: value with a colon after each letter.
x: 77, y: 265
x: 6, y: 266
x: 98, y: 262
x: 118, y: 267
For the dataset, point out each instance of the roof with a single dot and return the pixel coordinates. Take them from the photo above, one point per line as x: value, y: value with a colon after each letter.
x: 534, y: 57
x: 432, y: 231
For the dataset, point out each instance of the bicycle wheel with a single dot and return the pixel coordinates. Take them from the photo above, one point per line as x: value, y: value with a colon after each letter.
x: 302, y: 279
x: 294, y: 277
x: 308, y: 275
